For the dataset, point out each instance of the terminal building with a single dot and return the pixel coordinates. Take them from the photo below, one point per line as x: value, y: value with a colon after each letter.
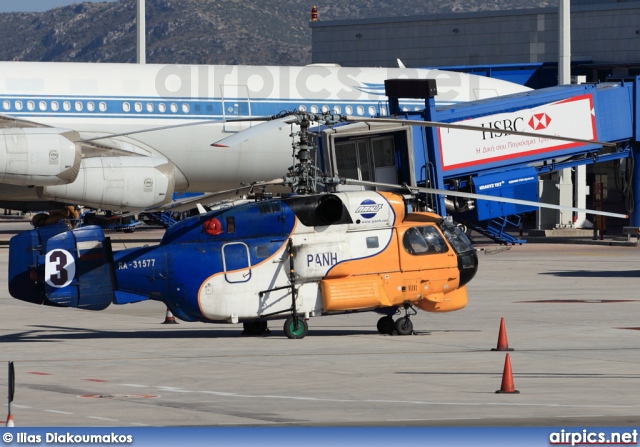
x: 605, y: 39
x: 520, y: 45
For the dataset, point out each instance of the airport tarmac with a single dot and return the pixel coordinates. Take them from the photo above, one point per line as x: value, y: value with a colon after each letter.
x: 570, y: 312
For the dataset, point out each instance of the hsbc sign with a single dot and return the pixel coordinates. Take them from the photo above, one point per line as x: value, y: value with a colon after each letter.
x: 572, y: 117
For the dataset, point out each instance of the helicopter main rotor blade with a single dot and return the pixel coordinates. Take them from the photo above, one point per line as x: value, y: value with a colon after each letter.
x: 360, y: 119
x: 188, y: 203
x: 176, y: 126
x: 470, y: 195
x: 254, y: 132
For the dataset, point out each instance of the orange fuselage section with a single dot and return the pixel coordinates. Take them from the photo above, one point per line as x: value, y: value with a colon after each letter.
x: 418, y: 267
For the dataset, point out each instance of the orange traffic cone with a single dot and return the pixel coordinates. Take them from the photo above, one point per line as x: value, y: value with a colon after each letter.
x: 503, y: 344
x: 169, y: 318
x: 10, y: 421
x: 507, y: 378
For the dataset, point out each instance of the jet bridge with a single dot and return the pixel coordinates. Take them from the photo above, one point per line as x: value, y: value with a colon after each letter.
x: 493, y: 161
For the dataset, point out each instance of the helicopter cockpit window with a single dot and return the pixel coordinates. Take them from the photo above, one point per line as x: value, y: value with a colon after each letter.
x: 424, y: 240
x: 456, y: 237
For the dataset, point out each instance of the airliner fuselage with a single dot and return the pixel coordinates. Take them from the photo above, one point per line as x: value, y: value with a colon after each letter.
x: 145, y: 155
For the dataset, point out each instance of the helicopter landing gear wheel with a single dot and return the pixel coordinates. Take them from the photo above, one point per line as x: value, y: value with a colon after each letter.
x: 386, y: 325
x: 404, y: 326
x: 295, y: 327
x: 254, y: 328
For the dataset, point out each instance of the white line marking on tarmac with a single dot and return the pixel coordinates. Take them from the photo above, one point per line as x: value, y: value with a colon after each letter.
x: 102, y: 419
x: 413, y: 402
x: 433, y: 419
x: 172, y: 389
x: 380, y: 401
x: 57, y: 411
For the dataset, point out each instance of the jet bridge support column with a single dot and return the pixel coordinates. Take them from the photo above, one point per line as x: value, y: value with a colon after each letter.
x: 432, y: 143
x: 427, y: 89
x: 634, y: 214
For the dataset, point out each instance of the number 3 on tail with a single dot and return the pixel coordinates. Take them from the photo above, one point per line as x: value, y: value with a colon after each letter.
x: 60, y: 268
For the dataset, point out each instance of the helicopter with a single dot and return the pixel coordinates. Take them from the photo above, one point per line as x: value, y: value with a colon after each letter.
x: 313, y: 252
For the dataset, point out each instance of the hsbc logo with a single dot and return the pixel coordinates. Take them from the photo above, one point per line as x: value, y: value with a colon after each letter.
x: 539, y: 121
x: 494, y: 128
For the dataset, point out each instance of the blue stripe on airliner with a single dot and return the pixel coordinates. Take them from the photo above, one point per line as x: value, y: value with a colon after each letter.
x: 170, y: 108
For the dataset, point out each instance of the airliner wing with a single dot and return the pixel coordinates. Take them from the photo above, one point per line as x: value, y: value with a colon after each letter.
x: 92, y: 144
x: 105, y: 145
x: 9, y: 121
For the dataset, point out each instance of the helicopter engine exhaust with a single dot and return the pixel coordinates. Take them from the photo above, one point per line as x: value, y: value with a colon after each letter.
x: 330, y: 209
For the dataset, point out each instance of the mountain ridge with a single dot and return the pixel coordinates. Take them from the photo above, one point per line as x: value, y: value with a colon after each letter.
x: 248, y: 32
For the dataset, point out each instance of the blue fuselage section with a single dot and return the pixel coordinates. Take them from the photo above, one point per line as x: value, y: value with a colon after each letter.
x: 197, y: 248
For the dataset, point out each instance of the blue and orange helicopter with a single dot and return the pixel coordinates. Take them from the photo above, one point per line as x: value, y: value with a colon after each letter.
x: 294, y: 257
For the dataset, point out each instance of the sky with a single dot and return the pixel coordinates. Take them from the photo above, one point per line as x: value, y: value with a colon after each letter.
x: 37, y: 5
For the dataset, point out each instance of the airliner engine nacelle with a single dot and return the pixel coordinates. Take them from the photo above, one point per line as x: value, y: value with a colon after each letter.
x: 118, y: 183
x: 39, y: 156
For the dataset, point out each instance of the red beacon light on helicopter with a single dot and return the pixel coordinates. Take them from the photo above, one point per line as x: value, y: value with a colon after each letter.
x: 213, y: 227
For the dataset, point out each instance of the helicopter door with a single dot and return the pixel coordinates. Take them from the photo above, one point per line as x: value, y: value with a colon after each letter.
x: 427, y: 263
x: 236, y: 262
x: 235, y: 104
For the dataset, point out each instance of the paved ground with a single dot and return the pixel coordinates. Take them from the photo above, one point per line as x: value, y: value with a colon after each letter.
x: 571, y: 314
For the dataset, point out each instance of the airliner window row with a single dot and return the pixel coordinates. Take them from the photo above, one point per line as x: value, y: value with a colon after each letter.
x: 54, y: 106
x: 371, y: 110
x: 232, y: 108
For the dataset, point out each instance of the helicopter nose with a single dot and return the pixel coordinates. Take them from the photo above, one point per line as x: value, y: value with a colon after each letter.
x: 468, y: 266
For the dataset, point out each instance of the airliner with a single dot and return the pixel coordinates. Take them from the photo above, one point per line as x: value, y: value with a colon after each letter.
x: 128, y: 136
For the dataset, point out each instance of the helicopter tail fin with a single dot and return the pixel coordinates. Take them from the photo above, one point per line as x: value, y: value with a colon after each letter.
x: 64, y: 268
x: 24, y: 250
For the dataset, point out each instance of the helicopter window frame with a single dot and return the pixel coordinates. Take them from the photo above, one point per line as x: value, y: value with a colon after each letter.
x: 424, y: 240
x: 353, y: 159
x: 262, y: 251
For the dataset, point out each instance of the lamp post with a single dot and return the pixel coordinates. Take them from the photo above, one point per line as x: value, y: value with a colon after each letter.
x: 140, y: 22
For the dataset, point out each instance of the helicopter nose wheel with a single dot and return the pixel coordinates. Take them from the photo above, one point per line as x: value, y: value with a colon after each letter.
x: 401, y: 326
x: 404, y: 326
x: 295, y: 327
